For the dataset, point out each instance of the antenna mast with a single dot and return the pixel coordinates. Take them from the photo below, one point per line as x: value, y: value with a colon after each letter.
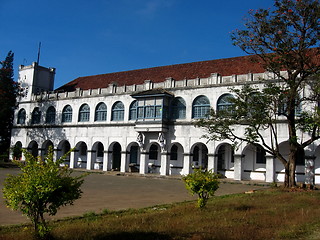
x: 38, y: 60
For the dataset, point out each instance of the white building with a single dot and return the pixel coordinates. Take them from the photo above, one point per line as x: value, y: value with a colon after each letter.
x: 143, y: 120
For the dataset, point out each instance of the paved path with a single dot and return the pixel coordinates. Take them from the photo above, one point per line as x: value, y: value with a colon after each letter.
x: 106, y: 191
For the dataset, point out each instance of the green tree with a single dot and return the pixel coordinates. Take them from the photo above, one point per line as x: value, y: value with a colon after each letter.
x: 203, y: 183
x: 42, y: 188
x: 9, y: 91
x: 285, y: 41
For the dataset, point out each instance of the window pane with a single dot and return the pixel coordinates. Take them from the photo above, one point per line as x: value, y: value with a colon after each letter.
x: 149, y: 111
x: 140, y: 112
x: 36, y: 116
x: 101, y: 112
x: 158, y: 111
x: 51, y: 115
x: 118, y: 112
x: 133, y: 111
x: 201, y: 107
x: 224, y: 103
x: 21, y: 116
x: 67, y: 114
x: 178, y: 108
x: 84, y: 113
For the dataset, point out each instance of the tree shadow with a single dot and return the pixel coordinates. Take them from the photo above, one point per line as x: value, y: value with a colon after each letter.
x: 44, y: 130
x: 133, y: 236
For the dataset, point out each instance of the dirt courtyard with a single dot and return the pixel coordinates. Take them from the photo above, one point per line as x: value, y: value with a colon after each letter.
x: 112, y: 192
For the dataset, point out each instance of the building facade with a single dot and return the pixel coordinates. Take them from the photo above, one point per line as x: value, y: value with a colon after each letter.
x: 143, y: 121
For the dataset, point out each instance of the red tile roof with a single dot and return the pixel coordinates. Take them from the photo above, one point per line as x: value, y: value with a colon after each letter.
x: 203, y: 69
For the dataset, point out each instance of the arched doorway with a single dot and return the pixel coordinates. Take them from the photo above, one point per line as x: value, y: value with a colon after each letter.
x: 33, y: 148
x: 254, y: 163
x: 133, y: 157
x: 81, y: 155
x: 45, y: 148
x: 17, y: 151
x: 97, y: 155
x: 63, y: 148
x: 225, y: 159
x: 200, y: 156
x: 116, y: 156
x: 176, y: 159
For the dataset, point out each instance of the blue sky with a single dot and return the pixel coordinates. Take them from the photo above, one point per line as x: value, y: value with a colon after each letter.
x: 82, y: 37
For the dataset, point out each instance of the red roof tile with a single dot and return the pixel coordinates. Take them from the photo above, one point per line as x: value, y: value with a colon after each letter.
x: 203, y: 69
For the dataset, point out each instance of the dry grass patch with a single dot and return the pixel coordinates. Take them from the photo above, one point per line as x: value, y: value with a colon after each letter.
x: 270, y: 214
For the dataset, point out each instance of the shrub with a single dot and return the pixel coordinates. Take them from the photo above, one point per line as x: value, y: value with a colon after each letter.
x: 203, y: 183
x: 42, y: 187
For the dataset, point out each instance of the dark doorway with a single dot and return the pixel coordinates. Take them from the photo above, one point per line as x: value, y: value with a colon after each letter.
x: 116, y: 157
x: 134, y: 154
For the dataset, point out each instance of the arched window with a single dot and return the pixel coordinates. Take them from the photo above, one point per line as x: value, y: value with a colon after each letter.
x: 133, y: 110
x: 283, y: 106
x: 101, y: 112
x: 21, y: 116
x: 51, y: 115
x: 153, y: 152
x: 224, y: 103
x: 84, y: 113
x: 260, y: 155
x: 255, y: 100
x: 67, y: 114
x: 178, y: 108
x: 174, y: 152
x: 200, y: 107
x: 117, y: 112
x: 36, y: 116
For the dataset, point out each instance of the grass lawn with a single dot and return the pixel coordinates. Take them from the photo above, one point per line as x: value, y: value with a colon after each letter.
x: 268, y: 214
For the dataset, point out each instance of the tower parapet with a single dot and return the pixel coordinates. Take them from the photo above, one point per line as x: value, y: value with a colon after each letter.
x: 35, y: 79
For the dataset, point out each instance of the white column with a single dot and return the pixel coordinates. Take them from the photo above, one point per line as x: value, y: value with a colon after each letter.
x: 143, y: 163
x: 123, y: 164
x: 89, y: 159
x: 165, y: 164
x: 40, y: 151
x: 56, y: 154
x: 237, y: 167
x: 186, y: 164
x: 106, y: 161
x: 73, y: 156
x: 23, y: 157
x: 270, y: 169
x: 212, y: 162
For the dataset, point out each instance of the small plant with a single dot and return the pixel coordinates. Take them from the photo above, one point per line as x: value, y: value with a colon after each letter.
x: 91, y: 216
x: 42, y: 188
x: 203, y: 183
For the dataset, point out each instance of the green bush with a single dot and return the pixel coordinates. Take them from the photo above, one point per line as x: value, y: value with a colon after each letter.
x: 42, y: 188
x: 203, y: 183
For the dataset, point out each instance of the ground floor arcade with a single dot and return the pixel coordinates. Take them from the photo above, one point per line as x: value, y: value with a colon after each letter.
x: 249, y: 163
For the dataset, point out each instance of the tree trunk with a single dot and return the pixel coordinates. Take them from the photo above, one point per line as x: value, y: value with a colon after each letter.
x: 290, y: 171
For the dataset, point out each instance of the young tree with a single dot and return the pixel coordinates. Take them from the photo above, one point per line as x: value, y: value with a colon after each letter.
x: 203, y: 183
x: 8, y: 93
x: 285, y: 41
x: 42, y: 188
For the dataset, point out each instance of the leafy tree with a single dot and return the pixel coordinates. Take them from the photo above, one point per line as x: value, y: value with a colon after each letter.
x: 203, y: 183
x: 9, y: 91
x: 285, y: 41
x: 42, y: 188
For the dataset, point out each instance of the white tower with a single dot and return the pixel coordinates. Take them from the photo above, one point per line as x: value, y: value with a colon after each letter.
x: 35, y: 79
